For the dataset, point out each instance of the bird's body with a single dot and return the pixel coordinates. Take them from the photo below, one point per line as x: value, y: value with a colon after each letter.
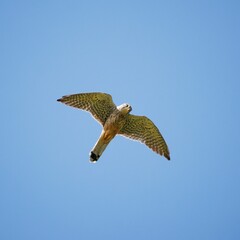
x: 111, y: 128
x: 117, y: 120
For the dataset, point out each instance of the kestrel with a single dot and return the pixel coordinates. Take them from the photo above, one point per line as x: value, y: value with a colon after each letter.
x: 117, y: 120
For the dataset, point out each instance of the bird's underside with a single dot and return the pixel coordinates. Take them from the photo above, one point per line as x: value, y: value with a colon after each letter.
x: 117, y: 120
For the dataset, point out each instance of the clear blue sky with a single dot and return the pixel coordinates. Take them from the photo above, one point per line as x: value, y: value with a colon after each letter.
x: 176, y: 62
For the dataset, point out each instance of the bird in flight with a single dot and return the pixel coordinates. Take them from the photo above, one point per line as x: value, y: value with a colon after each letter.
x: 117, y: 120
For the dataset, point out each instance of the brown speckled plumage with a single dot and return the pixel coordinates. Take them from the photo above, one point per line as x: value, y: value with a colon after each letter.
x: 117, y: 120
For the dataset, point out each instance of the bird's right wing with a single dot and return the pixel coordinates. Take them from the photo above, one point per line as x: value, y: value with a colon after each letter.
x: 100, y: 105
x: 142, y: 129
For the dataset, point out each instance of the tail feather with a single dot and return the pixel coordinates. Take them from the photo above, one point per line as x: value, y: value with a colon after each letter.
x: 98, y: 149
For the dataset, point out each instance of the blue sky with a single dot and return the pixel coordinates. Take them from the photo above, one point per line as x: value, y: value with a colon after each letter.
x: 176, y: 62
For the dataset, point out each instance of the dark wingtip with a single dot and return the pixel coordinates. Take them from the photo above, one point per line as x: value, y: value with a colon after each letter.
x: 167, y: 157
x: 59, y: 100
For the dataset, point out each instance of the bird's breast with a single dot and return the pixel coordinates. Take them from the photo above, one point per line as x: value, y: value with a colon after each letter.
x: 112, y: 126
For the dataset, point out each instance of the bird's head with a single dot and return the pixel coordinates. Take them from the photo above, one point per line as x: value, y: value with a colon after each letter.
x: 124, y: 108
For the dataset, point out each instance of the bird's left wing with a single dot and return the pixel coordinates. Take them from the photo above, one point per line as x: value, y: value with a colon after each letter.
x: 100, y: 105
x: 142, y: 129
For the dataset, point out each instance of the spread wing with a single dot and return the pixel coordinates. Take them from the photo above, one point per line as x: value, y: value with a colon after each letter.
x: 100, y: 105
x: 142, y: 129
